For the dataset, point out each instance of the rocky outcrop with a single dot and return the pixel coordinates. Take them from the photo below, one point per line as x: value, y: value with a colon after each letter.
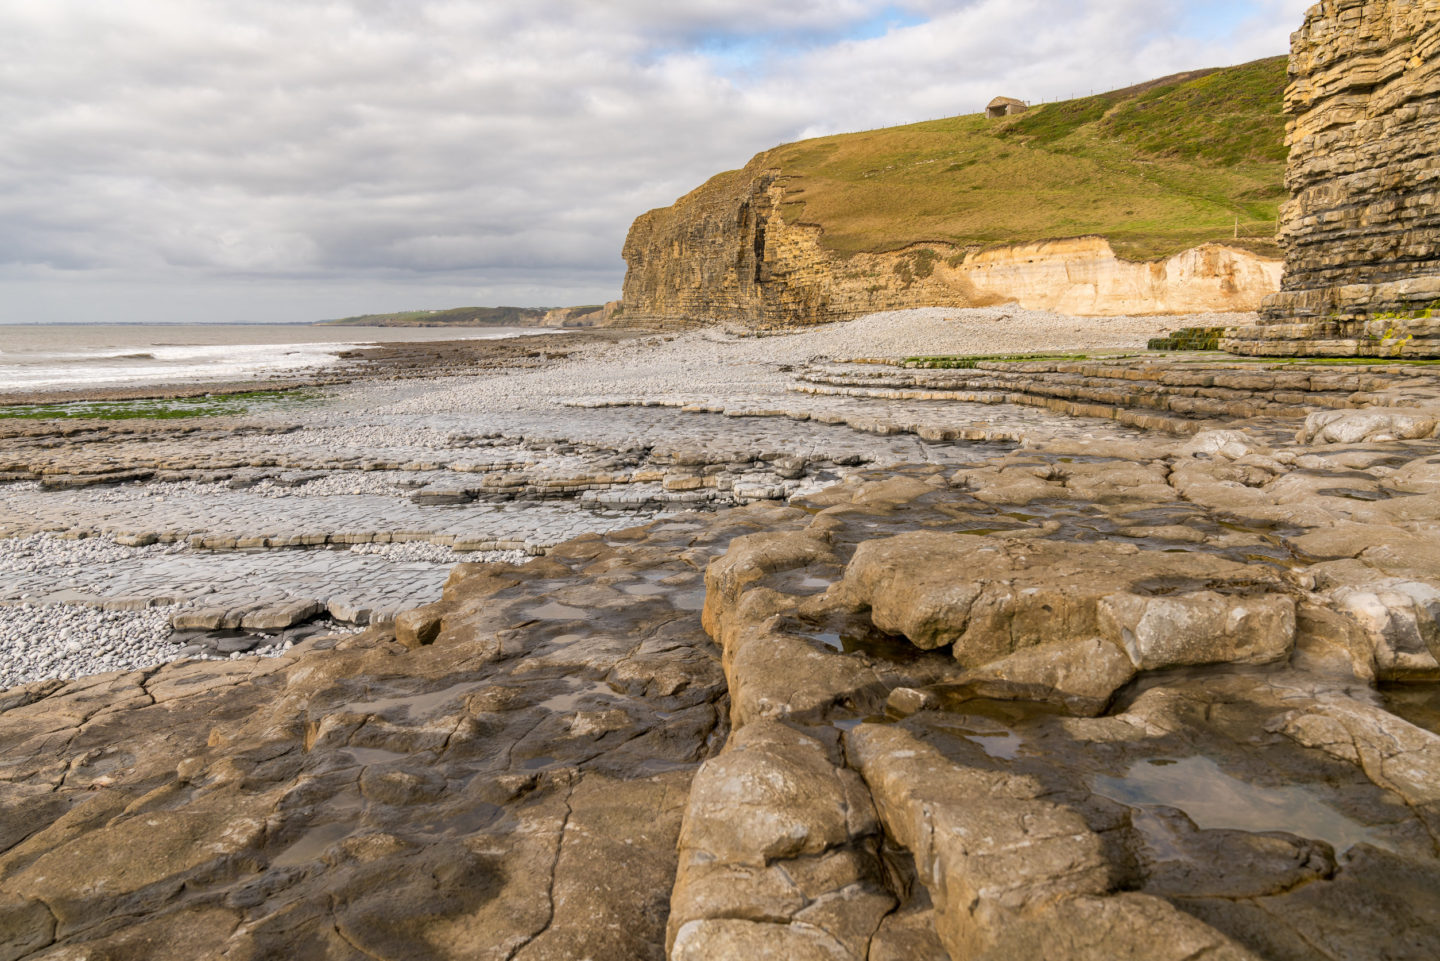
x: 501, y: 776
x: 1104, y: 696
x: 1036, y: 779
x: 1159, y: 395
x: 730, y: 252
x: 1361, y: 231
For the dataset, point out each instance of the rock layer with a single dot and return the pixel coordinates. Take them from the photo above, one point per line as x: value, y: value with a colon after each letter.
x: 1361, y: 231
x: 727, y: 252
x: 1092, y: 698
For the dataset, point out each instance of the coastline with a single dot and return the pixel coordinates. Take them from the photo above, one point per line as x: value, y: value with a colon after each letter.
x: 470, y: 636
x: 352, y: 363
x: 60, y: 359
x: 469, y: 449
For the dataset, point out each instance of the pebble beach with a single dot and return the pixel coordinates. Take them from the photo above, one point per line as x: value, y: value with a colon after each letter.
x: 138, y: 541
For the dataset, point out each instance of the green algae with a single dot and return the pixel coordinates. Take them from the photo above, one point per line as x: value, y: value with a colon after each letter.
x: 168, y: 408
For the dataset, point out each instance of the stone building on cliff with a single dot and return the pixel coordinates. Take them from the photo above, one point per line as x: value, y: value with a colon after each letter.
x: 1005, y: 107
x: 1361, y: 230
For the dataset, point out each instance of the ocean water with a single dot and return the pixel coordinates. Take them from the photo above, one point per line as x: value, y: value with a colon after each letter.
x: 47, y: 357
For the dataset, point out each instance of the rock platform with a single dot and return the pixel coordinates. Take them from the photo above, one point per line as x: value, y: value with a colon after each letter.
x: 1066, y: 660
x: 1130, y: 695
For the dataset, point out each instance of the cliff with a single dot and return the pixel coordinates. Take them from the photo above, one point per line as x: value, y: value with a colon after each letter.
x: 1361, y: 231
x: 1160, y: 198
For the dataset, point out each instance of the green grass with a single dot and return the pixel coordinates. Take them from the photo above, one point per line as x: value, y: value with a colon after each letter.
x: 207, y: 405
x: 1156, y: 169
x: 1188, y: 338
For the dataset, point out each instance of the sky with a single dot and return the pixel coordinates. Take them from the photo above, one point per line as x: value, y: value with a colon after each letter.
x: 293, y: 160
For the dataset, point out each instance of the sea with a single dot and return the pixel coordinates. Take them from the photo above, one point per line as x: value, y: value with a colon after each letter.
x: 36, y: 357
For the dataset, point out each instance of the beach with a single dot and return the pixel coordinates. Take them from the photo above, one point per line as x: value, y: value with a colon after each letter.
x: 36, y: 358
x: 335, y: 496
x: 447, y: 631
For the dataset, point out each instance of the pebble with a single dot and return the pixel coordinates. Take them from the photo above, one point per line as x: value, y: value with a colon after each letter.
x: 99, y: 641
x: 551, y: 421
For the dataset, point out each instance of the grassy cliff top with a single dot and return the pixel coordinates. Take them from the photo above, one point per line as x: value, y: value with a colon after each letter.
x: 1155, y: 168
x: 455, y: 317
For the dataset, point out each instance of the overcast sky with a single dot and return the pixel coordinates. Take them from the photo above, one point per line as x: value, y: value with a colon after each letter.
x: 283, y: 160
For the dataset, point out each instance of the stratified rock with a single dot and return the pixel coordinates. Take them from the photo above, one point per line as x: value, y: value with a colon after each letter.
x: 281, y: 617
x: 1361, y: 231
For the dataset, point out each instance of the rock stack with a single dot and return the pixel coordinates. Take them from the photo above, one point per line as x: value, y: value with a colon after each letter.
x: 1362, y: 228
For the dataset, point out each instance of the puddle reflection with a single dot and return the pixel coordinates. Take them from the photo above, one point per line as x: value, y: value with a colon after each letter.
x: 1417, y: 703
x: 1214, y: 799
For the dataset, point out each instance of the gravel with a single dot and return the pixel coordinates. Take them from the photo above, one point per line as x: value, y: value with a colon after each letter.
x: 428, y: 553
x: 717, y: 366
x: 68, y: 642
x: 43, y: 552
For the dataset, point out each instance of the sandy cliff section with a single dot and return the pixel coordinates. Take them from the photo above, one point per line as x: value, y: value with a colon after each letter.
x: 1083, y: 276
x: 726, y: 252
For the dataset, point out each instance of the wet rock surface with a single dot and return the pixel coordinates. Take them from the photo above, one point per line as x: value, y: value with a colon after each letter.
x: 929, y: 726
x: 1140, y: 713
x: 1087, y: 691
x: 509, y: 786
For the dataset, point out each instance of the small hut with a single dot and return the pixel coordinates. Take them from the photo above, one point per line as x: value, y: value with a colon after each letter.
x: 1005, y: 107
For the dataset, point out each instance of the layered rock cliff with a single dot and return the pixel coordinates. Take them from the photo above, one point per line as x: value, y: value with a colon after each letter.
x: 727, y: 252
x: 1361, y: 231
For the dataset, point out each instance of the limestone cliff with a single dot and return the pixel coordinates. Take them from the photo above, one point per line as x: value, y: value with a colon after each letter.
x: 727, y: 252
x: 1361, y: 231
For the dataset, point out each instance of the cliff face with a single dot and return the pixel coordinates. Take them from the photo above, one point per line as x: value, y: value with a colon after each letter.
x: 716, y: 255
x: 725, y: 252
x: 1361, y: 231
x: 1084, y: 277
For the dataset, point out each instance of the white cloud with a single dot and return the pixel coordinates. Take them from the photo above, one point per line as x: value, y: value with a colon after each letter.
x: 418, y: 151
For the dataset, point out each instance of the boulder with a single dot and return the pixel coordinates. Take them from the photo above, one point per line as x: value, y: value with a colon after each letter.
x: 1401, y: 619
x: 1200, y: 627
x: 420, y: 626
x: 774, y: 793
x: 1080, y: 675
x: 1368, y: 425
x: 990, y: 597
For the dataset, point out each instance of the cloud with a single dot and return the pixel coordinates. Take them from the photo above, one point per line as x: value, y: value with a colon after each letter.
x: 423, y: 149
